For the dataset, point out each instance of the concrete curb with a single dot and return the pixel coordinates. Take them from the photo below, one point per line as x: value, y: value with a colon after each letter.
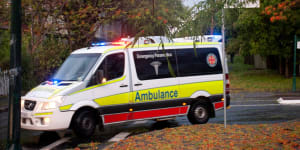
x: 289, y: 100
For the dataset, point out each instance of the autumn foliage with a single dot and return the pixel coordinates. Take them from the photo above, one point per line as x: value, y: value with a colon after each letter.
x: 214, y: 136
x: 52, y: 29
x: 281, y: 11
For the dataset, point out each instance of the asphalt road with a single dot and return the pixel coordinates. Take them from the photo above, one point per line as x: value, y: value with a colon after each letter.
x: 258, y: 112
x: 248, y: 110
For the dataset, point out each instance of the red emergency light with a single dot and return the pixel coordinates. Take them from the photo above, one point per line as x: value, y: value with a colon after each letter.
x: 120, y: 43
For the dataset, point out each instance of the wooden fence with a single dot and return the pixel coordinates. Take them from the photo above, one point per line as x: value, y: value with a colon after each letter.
x: 4, y: 83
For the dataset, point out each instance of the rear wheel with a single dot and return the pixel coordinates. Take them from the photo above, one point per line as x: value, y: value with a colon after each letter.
x: 84, y: 124
x: 198, y: 114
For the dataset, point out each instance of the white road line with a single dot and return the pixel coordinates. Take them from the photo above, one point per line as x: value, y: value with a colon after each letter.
x: 119, y: 137
x: 25, y: 148
x: 239, y: 101
x: 56, y: 143
x: 295, y: 100
x: 140, y: 122
x: 255, y: 105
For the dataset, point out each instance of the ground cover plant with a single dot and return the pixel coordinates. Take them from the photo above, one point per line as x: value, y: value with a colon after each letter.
x: 214, y: 136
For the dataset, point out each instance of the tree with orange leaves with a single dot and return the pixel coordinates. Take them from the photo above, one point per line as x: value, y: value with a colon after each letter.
x: 270, y: 31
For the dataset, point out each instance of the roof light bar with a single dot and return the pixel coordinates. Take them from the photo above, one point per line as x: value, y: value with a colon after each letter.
x: 100, y: 44
x: 115, y: 43
x: 53, y: 82
x: 120, y: 43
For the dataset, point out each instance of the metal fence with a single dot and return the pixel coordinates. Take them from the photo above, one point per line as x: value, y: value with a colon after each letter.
x: 4, y: 83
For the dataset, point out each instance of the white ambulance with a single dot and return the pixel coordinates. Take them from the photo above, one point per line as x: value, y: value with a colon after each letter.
x: 110, y: 83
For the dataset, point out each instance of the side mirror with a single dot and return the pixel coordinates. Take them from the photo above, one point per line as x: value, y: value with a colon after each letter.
x: 100, y: 76
x: 97, y: 78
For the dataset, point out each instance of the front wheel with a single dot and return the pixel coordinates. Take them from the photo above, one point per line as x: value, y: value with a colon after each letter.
x: 198, y: 114
x: 84, y: 124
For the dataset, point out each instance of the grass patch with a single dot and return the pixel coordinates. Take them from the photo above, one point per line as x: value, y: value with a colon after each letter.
x: 213, y: 136
x: 246, y: 78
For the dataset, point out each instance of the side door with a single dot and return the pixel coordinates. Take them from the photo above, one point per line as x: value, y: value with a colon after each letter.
x: 111, y: 90
x: 155, y: 86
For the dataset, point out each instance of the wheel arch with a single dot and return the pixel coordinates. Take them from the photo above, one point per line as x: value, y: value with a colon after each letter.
x: 95, y: 112
x: 85, y: 103
x: 200, y: 94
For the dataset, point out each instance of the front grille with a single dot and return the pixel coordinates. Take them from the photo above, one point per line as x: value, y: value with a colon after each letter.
x: 29, y: 105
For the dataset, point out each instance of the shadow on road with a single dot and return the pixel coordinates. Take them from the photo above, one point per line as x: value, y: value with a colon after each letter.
x: 47, y: 138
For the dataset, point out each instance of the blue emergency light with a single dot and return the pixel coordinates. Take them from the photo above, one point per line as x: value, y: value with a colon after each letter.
x: 100, y: 44
x: 53, y: 82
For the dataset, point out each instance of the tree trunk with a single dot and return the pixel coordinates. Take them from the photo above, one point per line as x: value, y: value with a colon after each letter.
x: 286, y: 68
x: 299, y: 69
x: 280, y: 66
x: 212, y: 26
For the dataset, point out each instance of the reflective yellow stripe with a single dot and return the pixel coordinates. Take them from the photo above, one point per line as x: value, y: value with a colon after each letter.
x: 113, y: 100
x: 66, y: 107
x: 46, y: 113
x: 114, y: 48
x: 212, y: 87
x: 157, y: 45
x: 182, y: 91
x: 98, y: 85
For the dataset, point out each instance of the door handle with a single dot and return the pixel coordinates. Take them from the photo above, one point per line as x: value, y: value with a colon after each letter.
x: 124, y: 85
x: 138, y: 84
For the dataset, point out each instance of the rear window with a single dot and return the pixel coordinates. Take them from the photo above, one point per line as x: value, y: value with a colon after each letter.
x: 202, y: 61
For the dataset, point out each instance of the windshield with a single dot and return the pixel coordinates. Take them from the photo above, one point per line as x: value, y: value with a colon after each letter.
x: 76, y: 67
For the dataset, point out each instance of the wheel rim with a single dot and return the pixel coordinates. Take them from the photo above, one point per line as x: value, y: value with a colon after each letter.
x: 200, y: 112
x: 87, y: 123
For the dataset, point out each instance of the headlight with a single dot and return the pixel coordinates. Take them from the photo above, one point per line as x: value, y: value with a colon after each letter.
x: 53, y: 104
x: 22, y: 103
x: 49, y: 105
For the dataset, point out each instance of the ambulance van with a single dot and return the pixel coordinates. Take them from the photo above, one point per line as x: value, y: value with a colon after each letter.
x: 110, y: 83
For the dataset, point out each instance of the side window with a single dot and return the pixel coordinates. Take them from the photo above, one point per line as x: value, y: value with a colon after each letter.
x: 200, y: 62
x: 112, y: 67
x: 154, y: 64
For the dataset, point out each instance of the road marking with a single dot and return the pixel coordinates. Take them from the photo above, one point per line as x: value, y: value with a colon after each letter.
x: 289, y: 100
x: 254, y: 101
x: 56, y: 143
x: 25, y: 148
x: 255, y: 105
x: 119, y: 137
x: 140, y: 122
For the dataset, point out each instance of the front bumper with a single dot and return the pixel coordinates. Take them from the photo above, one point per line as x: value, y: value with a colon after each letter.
x: 46, y: 120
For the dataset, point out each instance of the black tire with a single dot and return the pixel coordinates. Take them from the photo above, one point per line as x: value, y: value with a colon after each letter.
x: 84, y: 124
x: 198, y: 113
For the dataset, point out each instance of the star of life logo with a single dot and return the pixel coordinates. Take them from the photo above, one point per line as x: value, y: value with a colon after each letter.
x: 211, y: 60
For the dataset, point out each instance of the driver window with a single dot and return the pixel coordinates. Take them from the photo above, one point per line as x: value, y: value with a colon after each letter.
x: 112, y: 67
